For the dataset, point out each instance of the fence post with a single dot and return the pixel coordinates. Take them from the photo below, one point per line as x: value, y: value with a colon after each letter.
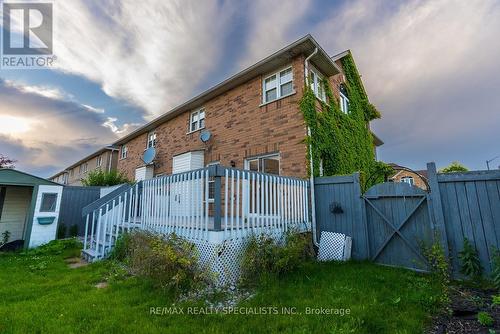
x: 216, y: 172
x: 437, y: 206
x: 361, y: 214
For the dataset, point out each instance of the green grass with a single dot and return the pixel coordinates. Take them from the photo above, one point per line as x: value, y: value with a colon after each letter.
x: 40, y: 294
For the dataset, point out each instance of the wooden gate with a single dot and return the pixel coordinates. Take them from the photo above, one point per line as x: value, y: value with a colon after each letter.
x: 398, y: 222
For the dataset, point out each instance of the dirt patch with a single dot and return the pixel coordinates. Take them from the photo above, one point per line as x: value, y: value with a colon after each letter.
x: 102, y: 285
x: 76, y: 262
x: 466, y: 303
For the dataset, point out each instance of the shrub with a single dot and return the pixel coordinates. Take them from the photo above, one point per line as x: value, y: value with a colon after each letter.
x: 495, y: 268
x: 57, y: 247
x: 485, y: 319
x: 61, y: 231
x: 104, y: 179
x: 169, y: 261
x: 469, y: 259
x: 73, y: 230
x: 496, y: 300
x: 121, y: 247
x: 265, y: 255
x: 454, y: 167
x: 440, y: 268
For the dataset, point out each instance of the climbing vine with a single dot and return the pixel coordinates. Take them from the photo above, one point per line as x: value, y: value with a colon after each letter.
x: 343, y: 142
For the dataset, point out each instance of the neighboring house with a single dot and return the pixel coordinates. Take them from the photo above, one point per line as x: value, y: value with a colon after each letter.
x: 416, y: 178
x: 253, y: 118
x: 29, y: 208
x: 105, y: 159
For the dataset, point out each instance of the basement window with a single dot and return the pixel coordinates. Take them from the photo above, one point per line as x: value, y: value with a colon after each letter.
x: 277, y: 85
x: 197, y: 120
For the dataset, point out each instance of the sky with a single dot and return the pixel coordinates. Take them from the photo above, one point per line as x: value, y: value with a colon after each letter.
x: 431, y: 67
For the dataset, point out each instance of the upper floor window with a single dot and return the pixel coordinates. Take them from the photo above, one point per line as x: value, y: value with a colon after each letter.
x: 344, y: 100
x: 85, y: 167
x: 99, y: 161
x: 408, y: 179
x: 197, y: 120
x: 151, y: 140
x: 316, y: 84
x: 277, y: 85
x: 72, y: 172
x: 123, y: 152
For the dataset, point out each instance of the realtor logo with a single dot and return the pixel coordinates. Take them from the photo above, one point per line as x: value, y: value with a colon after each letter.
x: 27, y: 35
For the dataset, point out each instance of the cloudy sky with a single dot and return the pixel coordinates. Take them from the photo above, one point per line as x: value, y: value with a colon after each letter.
x: 431, y: 67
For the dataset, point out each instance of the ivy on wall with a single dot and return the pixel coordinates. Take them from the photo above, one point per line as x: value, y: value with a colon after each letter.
x: 343, y: 141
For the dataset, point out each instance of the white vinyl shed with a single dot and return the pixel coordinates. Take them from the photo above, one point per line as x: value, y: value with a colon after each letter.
x: 29, y: 208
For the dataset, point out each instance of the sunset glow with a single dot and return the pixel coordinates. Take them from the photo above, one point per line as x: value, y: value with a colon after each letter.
x: 10, y: 125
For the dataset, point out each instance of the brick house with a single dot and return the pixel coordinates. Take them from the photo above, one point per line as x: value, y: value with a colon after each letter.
x: 105, y: 159
x: 253, y: 119
x: 417, y: 178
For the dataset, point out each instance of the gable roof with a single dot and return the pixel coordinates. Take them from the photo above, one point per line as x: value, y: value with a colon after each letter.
x: 305, y: 45
x: 14, y: 177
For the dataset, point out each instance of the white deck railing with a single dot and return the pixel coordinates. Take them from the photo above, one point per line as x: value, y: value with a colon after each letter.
x: 214, y: 203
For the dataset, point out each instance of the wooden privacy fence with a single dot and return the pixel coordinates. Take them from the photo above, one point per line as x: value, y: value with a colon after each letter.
x: 391, y: 221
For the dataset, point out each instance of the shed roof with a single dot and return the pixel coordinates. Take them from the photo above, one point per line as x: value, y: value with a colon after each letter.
x: 14, y: 177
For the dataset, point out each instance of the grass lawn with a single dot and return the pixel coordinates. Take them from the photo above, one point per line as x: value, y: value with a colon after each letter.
x: 40, y: 294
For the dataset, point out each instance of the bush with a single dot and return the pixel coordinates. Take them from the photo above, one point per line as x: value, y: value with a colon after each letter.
x: 440, y: 269
x: 495, y: 268
x: 169, y: 261
x: 470, y: 263
x: 121, y: 247
x: 485, y: 319
x: 104, y: 179
x: 57, y: 247
x: 265, y: 255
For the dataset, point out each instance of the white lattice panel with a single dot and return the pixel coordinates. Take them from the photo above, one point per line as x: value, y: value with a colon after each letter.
x: 222, y: 259
x: 334, y: 246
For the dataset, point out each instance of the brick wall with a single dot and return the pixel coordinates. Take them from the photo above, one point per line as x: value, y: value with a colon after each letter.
x: 240, y: 128
x: 417, y: 179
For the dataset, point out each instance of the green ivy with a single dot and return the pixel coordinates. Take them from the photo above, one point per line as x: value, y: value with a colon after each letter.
x: 343, y: 141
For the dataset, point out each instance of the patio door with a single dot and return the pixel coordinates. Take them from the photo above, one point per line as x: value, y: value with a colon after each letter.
x: 269, y: 164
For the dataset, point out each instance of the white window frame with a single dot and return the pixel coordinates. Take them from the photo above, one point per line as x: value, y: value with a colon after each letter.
x: 85, y: 167
x: 277, y: 85
x: 151, y: 142
x: 123, y: 151
x: 315, y: 82
x: 99, y: 161
x: 408, y: 179
x: 197, y: 123
x: 259, y: 158
x: 344, y: 103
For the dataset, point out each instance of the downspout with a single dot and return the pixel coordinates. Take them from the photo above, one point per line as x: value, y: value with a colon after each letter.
x: 311, y: 163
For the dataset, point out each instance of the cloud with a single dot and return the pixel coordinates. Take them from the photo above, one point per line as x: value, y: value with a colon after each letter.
x: 272, y: 25
x: 149, y: 53
x: 110, y: 123
x: 44, y: 133
x: 431, y: 67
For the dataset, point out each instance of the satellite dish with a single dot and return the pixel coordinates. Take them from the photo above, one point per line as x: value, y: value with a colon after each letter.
x: 149, y: 155
x: 205, y: 136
